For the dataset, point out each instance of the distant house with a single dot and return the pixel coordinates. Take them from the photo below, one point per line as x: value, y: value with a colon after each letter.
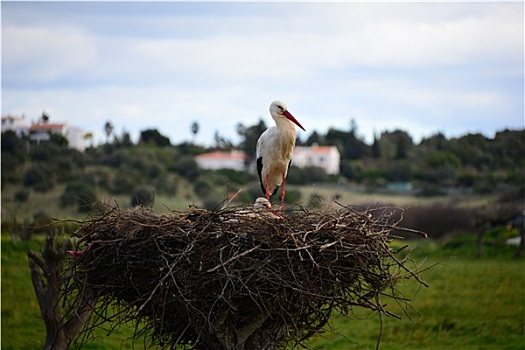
x: 17, y: 124
x: 326, y: 157
x: 41, y: 132
x: 222, y: 160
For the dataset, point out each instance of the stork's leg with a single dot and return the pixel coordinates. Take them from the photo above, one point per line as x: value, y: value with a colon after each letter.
x: 268, y: 186
x: 282, y: 195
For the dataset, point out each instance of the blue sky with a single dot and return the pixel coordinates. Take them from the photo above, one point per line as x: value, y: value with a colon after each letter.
x: 423, y: 67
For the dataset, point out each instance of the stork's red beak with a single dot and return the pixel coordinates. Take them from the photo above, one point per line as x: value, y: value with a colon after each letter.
x: 291, y: 117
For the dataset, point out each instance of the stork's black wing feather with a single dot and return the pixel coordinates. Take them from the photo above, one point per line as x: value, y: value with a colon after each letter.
x: 259, y: 171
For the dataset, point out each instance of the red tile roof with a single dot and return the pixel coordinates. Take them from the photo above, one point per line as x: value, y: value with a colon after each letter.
x: 321, y: 149
x: 46, y: 127
x: 222, y: 155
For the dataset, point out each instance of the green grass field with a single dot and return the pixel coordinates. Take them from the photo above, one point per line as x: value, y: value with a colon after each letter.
x: 470, y: 304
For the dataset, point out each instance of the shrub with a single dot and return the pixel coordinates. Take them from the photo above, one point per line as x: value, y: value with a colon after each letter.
x: 439, y: 219
x: 125, y: 182
x: 167, y: 184
x: 293, y: 196
x: 10, y: 169
x: 236, y: 177
x: 154, y: 137
x: 21, y: 195
x: 39, y: 177
x: 143, y: 196
x: 306, y: 175
x: 79, y: 193
x: 202, y: 187
x: 187, y: 167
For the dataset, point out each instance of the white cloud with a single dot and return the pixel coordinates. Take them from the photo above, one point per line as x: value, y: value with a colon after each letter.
x: 45, y: 54
x: 418, y: 66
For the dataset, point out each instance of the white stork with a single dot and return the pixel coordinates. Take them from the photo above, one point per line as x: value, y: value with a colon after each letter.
x: 274, y: 150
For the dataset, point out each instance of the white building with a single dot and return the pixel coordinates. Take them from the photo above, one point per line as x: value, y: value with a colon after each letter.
x: 222, y: 160
x: 326, y: 157
x: 41, y: 131
x: 17, y: 124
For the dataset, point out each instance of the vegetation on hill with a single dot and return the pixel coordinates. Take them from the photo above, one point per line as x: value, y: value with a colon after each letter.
x: 137, y: 173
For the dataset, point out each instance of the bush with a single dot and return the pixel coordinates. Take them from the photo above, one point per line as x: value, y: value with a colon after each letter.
x: 167, y: 184
x: 236, y: 177
x: 203, y: 187
x: 39, y: 177
x: 439, y: 219
x: 292, y: 196
x: 79, y: 193
x: 143, y: 196
x: 10, y: 169
x: 306, y: 175
x: 21, y: 195
x: 186, y: 167
x: 154, y: 137
x: 124, y: 182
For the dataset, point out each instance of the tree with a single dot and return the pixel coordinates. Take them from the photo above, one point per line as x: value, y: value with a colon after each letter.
x: 14, y: 152
x: 435, y: 142
x: 473, y: 150
x: 88, y: 136
x: 80, y: 193
x: 187, y: 167
x: 395, y: 144
x: 376, y: 148
x: 249, y: 136
x: 47, y: 278
x: 40, y: 177
x: 108, y: 129
x: 314, y: 138
x: 154, y: 137
x: 349, y: 145
x: 126, y: 139
x: 221, y: 142
x: 194, y: 130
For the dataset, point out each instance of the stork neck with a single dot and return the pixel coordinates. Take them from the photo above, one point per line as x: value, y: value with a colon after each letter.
x: 286, y: 136
x: 284, y: 126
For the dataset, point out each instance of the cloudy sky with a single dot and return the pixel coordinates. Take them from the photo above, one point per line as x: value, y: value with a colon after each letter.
x: 424, y: 67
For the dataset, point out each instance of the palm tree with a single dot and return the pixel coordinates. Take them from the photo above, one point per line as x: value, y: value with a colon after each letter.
x: 89, y: 136
x: 108, y: 129
x: 194, y: 130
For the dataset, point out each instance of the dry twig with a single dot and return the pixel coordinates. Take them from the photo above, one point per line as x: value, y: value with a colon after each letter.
x: 228, y: 280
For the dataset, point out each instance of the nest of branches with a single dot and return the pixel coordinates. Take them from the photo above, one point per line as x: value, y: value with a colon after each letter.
x: 233, y: 278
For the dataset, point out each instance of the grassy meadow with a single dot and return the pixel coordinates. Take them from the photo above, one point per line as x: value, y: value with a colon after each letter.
x: 48, y: 202
x: 469, y: 304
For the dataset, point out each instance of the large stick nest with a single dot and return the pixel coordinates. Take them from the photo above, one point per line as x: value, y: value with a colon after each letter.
x: 233, y: 278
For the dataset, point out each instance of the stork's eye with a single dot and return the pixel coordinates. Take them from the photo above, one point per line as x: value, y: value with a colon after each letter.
x: 280, y: 107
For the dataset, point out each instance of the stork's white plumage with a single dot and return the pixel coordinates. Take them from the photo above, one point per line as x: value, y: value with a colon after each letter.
x: 264, y: 207
x: 274, y: 150
x: 262, y: 203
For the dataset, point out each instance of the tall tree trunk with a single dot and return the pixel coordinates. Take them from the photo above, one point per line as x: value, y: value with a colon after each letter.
x: 46, y: 275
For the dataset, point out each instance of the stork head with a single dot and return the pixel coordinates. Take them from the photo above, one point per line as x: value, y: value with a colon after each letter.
x: 279, y: 110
